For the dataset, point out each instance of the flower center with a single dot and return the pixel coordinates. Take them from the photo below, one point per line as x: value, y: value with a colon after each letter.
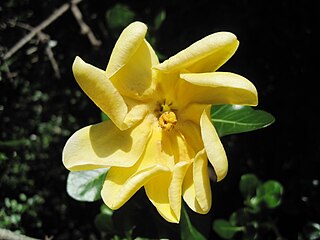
x: 167, y: 119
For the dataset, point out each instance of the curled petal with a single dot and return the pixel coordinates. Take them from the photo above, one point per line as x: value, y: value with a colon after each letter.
x: 205, y: 55
x: 213, y: 145
x: 99, y: 88
x: 103, y: 93
x: 175, y: 188
x: 104, y: 145
x: 128, y: 43
x: 196, y: 186
x: 218, y: 88
x: 164, y: 191
x: 201, y: 181
x: 135, y: 78
x: 130, y: 51
x: 157, y: 192
x: 122, y: 183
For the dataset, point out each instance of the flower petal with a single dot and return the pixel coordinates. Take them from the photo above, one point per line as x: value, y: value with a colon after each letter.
x: 135, y: 78
x: 130, y: 51
x: 122, y: 183
x: 190, y: 117
x: 205, y: 55
x: 157, y: 192
x: 103, y: 93
x: 175, y: 189
x: 104, y: 145
x: 188, y: 191
x: 213, y: 145
x: 201, y: 181
x: 126, y: 46
x: 180, y: 147
x: 196, y: 186
x: 218, y: 88
x: 164, y: 191
x: 99, y: 88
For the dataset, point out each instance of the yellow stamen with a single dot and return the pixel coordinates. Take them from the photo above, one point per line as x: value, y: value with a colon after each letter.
x: 167, y: 120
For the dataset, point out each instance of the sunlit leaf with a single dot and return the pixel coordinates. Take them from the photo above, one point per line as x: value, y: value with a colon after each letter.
x: 311, y: 231
x: 86, y: 185
x: 231, y: 119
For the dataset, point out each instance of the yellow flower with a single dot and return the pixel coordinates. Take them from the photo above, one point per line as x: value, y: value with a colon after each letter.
x: 160, y: 136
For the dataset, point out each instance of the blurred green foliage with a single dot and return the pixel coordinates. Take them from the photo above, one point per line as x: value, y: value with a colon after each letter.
x: 255, y: 220
x: 118, y: 17
x: 13, y: 211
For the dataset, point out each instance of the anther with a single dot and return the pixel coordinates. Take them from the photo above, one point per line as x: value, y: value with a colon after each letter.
x: 167, y: 120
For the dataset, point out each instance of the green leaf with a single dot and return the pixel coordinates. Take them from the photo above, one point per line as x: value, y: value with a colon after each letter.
x: 311, y: 231
x: 241, y: 217
x: 86, y: 185
x: 104, y: 117
x: 270, y: 193
x: 3, y: 157
x: 254, y: 203
x: 187, y: 231
x: 158, y: 20
x: 119, y: 17
x: 248, y: 185
x: 225, y: 229
x: 104, y: 223
x: 106, y: 210
x: 231, y: 119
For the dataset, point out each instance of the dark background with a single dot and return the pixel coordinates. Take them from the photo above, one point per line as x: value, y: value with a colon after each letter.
x: 39, y: 110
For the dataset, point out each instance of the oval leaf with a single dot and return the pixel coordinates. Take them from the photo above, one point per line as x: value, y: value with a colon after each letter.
x: 119, y: 16
x: 231, y: 119
x: 248, y: 185
x: 104, y: 223
x: 270, y: 193
x: 86, y: 185
x: 224, y: 228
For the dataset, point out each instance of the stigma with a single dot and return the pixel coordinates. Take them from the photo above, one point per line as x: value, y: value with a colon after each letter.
x: 167, y: 120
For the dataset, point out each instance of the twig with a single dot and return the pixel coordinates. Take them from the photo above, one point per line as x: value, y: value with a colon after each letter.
x: 9, y: 235
x: 53, y: 61
x: 56, y: 14
x: 85, y: 29
x: 44, y: 38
